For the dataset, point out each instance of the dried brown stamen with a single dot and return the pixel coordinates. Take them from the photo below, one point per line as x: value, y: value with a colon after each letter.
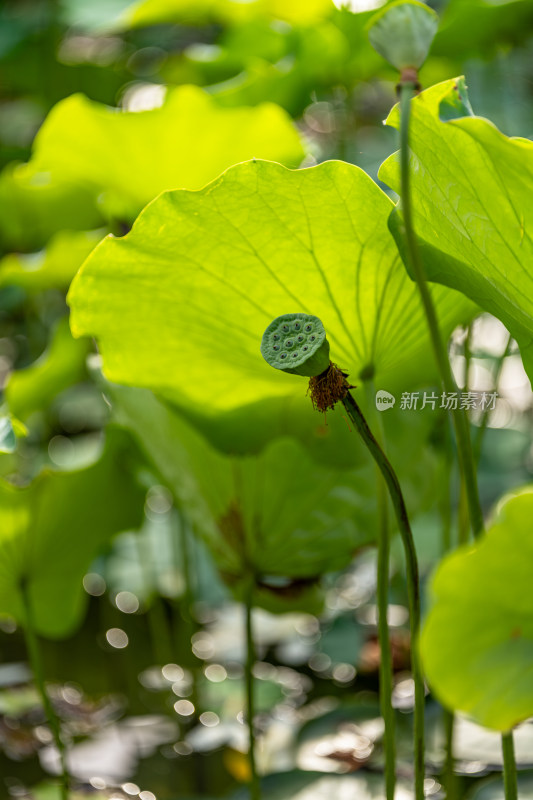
x: 328, y: 388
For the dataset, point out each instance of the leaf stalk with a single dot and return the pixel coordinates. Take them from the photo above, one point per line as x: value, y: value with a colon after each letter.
x: 382, y: 595
x: 413, y: 587
x: 509, y: 767
x: 460, y: 420
x: 255, y: 787
x: 465, y: 451
x: 34, y: 653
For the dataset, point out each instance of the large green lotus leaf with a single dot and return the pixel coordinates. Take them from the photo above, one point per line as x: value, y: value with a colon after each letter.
x: 60, y: 366
x: 179, y: 305
x: 472, y: 209
x: 156, y: 12
x: 477, y: 641
x: 132, y: 156
x: 277, y: 513
x: 51, y: 530
x: 51, y: 268
x: 33, y: 207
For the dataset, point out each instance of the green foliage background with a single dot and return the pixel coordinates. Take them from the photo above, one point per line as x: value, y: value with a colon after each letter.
x: 214, y: 164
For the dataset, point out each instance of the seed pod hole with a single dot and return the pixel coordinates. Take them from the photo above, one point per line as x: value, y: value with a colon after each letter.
x: 296, y: 343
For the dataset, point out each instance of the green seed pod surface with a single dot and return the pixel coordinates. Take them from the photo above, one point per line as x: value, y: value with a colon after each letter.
x: 403, y: 32
x: 296, y: 343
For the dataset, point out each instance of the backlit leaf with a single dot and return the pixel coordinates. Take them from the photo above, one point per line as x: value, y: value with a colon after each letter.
x: 278, y: 513
x: 156, y: 12
x: 477, y: 641
x: 180, y: 304
x: 473, y: 214
x: 132, y: 156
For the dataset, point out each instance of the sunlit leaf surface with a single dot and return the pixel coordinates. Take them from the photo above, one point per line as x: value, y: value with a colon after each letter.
x: 132, y: 156
x: 473, y: 213
x: 154, y: 12
x: 51, y: 530
x: 477, y: 641
x: 179, y: 305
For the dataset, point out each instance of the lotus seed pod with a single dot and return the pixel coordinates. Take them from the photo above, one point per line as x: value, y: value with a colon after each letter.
x: 296, y: 343
x: 403, y: 32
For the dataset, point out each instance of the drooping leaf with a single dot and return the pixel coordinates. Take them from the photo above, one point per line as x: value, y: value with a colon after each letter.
x: 278, y: 513
x: 53, y: 267
x: 477, y: 641
x: 471, y: 189
x: 51, y: 530
x: 180, y: 304
x: 61, y: 365
x: 132, y: 156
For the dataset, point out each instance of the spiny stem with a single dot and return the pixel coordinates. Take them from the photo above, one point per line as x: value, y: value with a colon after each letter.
x: 187, y: 601
x: 158, y: 626
x: 187, y: 572
x: 255, y: 788
x: 413, y: 588
x: 463, y: 517
x: 509, y: 767
x: 382, y: 592
x: 34, y: 652
x: 460, y: 420
x: 486, y: 411
x: 449, y: 767
x: 446, y: 494
x: 448, y: 717
x: 385, y: 662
